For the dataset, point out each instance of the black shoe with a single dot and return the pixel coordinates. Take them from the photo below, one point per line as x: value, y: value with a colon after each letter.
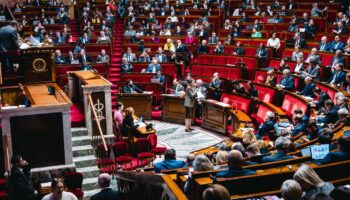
x: 187, y: 130
x: 191, y: 129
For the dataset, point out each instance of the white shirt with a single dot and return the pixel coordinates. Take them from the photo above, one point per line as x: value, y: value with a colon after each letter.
x: 65, y: 196
x: 273, y: 42
x: 298, y: 67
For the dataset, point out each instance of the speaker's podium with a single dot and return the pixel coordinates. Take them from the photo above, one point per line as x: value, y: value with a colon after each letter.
x: 35, y: 122
x: 141, y: 102
x: 95, y: 92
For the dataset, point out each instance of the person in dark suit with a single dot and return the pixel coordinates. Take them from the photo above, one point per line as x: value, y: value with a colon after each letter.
x: 203, y: 48
x: 252, y: 91
x: 235, y: 162
x: 219, y: 48
x: 330, y: 112
x: 287, y: 81
x: 161, y: 56
x: 310, y: 30
x: 213, y: 39
x: 313, y: 70
x: 299, y: 41
x: 338, y: 76
x: 268, y: 127
x: 308, y: 90
x: 215, y: 87
x: 8, y: 42
x: 202, y: 33
x: 18, y: 183
x: 238, y: 87
x: 84, y: 39
x: 299, y: 125
x: 86, y: 66
x: 126, y: 66
x: 129, y: 123
x: 342, y: 154
x: 321, y: 97
x: 154, y: 66
x: 190, y: 97
x: 84, y: 57
x: 159, y: 77
x: 106, y: 192
x: 337, y: 59
x: 340, y: 29
x: 177, y: 87
x: 293, y: 26
x: 323, y: 45
x: 169, y: 162
x: 238, y: 50
x: 337, y: 44
x: 130, y: 88
x: 261, y: 53
x: 281, y: 144
x: 59, y: 58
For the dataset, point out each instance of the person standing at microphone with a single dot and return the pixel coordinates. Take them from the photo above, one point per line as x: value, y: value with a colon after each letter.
x: 190, y: 98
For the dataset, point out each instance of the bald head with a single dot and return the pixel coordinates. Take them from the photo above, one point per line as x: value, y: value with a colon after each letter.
x: 235, y: 158
x: 104, y: 180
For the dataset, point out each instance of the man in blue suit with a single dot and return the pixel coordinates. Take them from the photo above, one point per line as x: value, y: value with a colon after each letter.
x: 261, y: 53
x: 235, y: 162
x: 338, y: 58
x: 154, y: 66
x: 281, y: 145
x: 338, y: 76
x: 342, y: 154
x: 268, y: 127
x: 169, y: 162
x: 159, y: 77
x: 130, y: 88
x: 308, y: 90
x: 287, y: 81
x: 299, y: 125
x: 161, y: 56
x: 336, y: 44
x: 323, y: 45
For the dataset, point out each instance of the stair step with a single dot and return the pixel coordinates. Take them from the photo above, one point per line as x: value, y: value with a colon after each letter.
x: 90, y: 183
x: 81, y: 140
x: 85, y: 161
x: 82, y: 150
x: 89, y: 172
x: 79, y: 131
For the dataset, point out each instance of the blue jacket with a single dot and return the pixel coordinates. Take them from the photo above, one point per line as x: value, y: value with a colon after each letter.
x: 168, y: 164
x: 263, y: 52
x: 150, y: 68
x: 161, y: 78
x: 301, y: 127
x: 322, y: 47
x: 340, y: 60
x: 333, y: 47
x: 339, y: 78
x: 332, y: 157
x: 288, y: 83
x: 233, y: 172
x: 266, y: 128
x: 276, y: 157
x: 308, y: 90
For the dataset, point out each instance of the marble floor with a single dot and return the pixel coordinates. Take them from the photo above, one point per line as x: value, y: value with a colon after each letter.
x: 174, y: 136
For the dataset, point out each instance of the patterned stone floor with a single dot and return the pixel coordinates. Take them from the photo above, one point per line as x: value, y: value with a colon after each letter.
x: 174, y: 136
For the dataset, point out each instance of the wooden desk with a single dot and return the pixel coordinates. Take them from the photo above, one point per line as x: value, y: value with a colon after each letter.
x: 215, y: 115
x: 142, y: 103
x: 173, y: 108
x: 142, y: 130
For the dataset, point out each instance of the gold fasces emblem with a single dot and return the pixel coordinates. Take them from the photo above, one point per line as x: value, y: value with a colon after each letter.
x: 39, y: 65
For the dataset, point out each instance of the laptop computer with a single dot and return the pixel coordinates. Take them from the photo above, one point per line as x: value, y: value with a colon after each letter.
x: 155, y: 80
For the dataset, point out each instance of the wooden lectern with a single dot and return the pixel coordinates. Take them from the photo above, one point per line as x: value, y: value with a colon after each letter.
x: 97, y: 93
x: 173, y: 108
x: 141, y: 102
x: 215, y: 115
x: 37, y: 65
x: 40, y: 133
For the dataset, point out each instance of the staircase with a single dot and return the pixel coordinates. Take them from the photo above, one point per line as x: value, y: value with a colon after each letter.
x: 85, y: 161
x: 114, y: 70
x: 74, y: 28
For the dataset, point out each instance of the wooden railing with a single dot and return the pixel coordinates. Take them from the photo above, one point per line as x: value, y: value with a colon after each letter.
x: 147, y: 186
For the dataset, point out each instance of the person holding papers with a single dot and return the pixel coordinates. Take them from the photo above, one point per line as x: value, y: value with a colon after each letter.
x: 130, y: 88
x: 158, y: 78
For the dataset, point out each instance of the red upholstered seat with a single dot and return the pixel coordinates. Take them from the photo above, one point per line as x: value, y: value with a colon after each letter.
x: 152, y: 138
x: 3, y: 195
x: 121, y: 153
x: 260, y: 115
x: 77, y: 192
x: 143, y: 150
x: 260, y: 76
x: 265, y: 94
x: 291, y: 102
x: 239, y: 102
x: 104, y: 157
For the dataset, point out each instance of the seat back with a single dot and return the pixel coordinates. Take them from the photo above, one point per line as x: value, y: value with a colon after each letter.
x: 239, y: 102
x: 73, y: 180
x: 152, y: 138
x: 101, y: 152
x: 120, y: 148
x: 292, y: 102
x: 261, y: 112
x: 142, y: 145
x: 265, y: 94
x: 260, y: 76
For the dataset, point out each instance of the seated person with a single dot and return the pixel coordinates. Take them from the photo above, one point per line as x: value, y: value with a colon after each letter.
x: 342, y: 154
x: 330, y: 113
x: 313, y: 70
x: 308, y: 90
x: 337, y: 44
x: 261, y: 53
x: 103, y: 38
x: 169, y: 162
x: 159, y: 77
x: 340, y: 29
x: 252, y: 91
x: 219, y: 48
x: 213, y: 39
x: 102, y: 57
x: 338, y: 76
x: 161, y: 56
x: 324, y: 45
x: 71, y: 58
x: 126, y: 66
x: 281, y: 144
x: 268, y: 127
x: 177, y: 87
x: 299, y: 125
x: 144, y: 57
x: 203, y: 48
x: 287, y: 81
x: 297, y: 53
x: 235, y: 162
x: 86, y: 66
x: 342, y: 119
x: 238, y: 87
x: 321, y: 97
x: 313, y: 55
x: 238, y: 50
x: 169, y: 45
x: 59, y: 58
x: 128, y: 121
x: 58, y: 192
x: 256, y: 33
x: 337, y: 59
x: 154, y: 66
x: 299, y: 67
x: 130, y: 56
x: 84, y: 57
x: 325, y: 138
x: 130, y: 88
x: 270, y: 79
